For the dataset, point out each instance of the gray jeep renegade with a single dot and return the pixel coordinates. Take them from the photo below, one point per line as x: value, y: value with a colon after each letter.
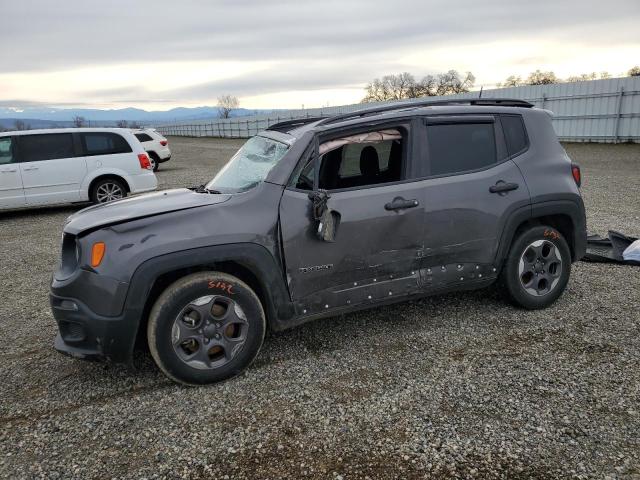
x: 318, y: 217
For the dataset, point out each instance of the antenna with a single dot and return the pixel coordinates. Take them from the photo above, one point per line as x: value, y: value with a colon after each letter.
x: 481, y: 87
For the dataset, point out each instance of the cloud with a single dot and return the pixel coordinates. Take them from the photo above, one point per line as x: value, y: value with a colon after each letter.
x: 285, y: 44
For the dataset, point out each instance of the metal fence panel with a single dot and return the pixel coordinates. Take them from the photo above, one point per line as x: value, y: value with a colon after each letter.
x: 592, y: 111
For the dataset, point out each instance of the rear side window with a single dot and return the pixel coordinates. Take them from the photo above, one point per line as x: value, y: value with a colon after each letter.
x: 143, y: 137
x: 514, y: 133
x: 456, y: 148
x: 48, y: 146
x: 6, y: 150
x: 104, y: 143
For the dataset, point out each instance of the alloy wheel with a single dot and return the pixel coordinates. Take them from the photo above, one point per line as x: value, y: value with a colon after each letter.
x: 540, y: 268
x: 209, y: 332
x: 107, y: 192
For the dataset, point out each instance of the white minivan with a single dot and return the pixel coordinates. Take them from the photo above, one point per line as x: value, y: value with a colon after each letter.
x: 43, y: 167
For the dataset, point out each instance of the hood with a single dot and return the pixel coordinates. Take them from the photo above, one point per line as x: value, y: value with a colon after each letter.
x: 139, y: 206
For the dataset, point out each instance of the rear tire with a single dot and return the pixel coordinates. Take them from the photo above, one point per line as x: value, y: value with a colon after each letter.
x: 107, y: 190
x: 537, y: 269
x: 155, y: 161
x: 205, y: 328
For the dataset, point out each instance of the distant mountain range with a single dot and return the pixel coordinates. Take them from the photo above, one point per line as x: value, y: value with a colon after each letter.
x: 41, y: 117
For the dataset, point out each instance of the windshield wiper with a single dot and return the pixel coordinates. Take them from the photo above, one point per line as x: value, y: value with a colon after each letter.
x: 203, y: 189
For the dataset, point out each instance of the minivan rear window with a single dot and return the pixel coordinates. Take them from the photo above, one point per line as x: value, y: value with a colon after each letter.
x: 104, y: 143
x: 47, y: 146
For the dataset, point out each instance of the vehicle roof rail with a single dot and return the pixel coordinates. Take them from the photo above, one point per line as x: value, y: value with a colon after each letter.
x: 292, y: 124
x: 495, y: 102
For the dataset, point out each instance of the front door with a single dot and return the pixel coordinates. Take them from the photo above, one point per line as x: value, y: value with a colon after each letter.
x: 51, y: 171
x: 11, y: 192
x: 378, y: 214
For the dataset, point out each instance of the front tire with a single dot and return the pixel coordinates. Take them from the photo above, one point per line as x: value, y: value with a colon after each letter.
x: 205, y: 328
x: 537, y: 269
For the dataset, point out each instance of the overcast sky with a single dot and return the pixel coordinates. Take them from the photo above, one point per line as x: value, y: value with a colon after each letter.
x: 157, y: 54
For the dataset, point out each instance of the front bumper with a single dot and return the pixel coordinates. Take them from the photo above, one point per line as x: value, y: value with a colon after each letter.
x: 87, y: 335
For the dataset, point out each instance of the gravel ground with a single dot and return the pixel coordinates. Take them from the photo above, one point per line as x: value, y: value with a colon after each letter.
x: 460, y: 385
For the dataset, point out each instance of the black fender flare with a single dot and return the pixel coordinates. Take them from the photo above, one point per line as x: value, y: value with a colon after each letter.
x: 254, y: 257
x: 573, y: 209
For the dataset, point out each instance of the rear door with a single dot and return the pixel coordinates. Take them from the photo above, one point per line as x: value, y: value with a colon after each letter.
x: 50, y: 167
x: 376, y: 251
x: 11, y: 191
x: 109, y: 150
x: 471, y: 188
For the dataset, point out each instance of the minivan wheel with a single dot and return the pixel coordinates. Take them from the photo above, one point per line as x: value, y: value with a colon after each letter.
x: 537, y: 269
x: 206, y: 327
x: 108, y: 190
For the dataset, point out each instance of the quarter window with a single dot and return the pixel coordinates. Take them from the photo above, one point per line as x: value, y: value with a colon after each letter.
x: 6, y: 150
x: 514, y: 133
x: 143, y: 137
x: 462, y: 147
x: 104, y: 143
x: 49, y: 146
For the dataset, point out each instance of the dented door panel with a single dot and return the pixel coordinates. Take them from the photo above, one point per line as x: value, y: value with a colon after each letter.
x: 371, y: 241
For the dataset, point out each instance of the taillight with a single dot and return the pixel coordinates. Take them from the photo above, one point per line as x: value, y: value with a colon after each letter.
x: 577, y: 176
x: 164, y: 142
x: 144, y: 161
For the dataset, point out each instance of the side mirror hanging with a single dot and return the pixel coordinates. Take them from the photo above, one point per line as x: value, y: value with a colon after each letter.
x: 327, y: 222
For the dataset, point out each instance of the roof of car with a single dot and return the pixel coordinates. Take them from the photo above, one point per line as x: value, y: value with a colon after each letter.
x: 62, y: 130
x: 298, y: 127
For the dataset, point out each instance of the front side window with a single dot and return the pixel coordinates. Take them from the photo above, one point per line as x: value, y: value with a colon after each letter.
x: 249, y: 166
x: 48, y: 146
x: 462, y: 147
x: 6, y: 150
x: 360, y: 160
x: 104, y: 143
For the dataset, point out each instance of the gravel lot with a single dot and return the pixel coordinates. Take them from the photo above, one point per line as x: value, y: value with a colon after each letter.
x: 452, y: 386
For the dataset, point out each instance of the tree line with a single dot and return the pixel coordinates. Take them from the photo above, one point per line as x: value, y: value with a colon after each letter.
x: 540, y: 77
x: 404, y: 85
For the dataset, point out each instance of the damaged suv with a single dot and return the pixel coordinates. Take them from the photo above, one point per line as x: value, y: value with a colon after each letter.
x: 318, y: 217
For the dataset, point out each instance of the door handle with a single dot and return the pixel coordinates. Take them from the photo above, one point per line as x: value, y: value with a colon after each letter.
x: 28, y: 169
x: 400, y: 203
x: 9, y: 171
x: 503, y: 187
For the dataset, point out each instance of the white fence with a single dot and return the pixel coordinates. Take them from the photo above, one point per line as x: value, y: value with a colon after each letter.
x: 592, y: 111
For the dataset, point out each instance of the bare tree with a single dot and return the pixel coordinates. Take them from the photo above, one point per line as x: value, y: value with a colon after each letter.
x: 404, y: 85
x: 391, y: 87
x: 226, y: 103
x: 634, y: 72
x: 78, y: 121
x: 512, y: 81
x: 452, y: 83
x: 122, y: 124
x: 21, y: 125
x: 541, y: 78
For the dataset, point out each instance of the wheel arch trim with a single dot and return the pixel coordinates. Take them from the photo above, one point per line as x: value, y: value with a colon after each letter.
x: 572, y: 209
x: 253, y: 257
